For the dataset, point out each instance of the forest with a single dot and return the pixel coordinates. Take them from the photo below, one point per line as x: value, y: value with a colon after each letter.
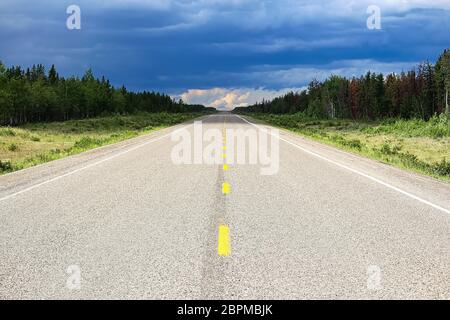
x: 419, y: 93
x: 34, y: 95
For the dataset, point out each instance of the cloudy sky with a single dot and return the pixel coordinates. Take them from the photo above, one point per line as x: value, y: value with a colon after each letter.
x: 223, y: 53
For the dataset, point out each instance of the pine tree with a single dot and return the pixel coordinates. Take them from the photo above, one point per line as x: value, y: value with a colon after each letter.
x: 53, y: 75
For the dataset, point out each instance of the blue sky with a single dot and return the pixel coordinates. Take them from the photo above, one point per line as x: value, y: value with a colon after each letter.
x: 223, y: 53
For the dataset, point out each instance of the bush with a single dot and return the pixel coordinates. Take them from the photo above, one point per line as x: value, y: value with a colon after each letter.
x: 354, y: 143
x: 13, y: 147
x: 385, y: 149
x: 5, y: 166
x: 442, y: 168
x: 87, y: 142
x: 411, y: 161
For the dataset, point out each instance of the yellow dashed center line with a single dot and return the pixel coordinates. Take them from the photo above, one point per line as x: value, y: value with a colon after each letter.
x: 226, y: 188
x: 223, y: 246
x: 223, y: 242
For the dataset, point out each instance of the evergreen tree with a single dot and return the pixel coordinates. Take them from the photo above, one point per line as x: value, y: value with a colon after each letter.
x: 53, y: 75
x: 443, y: 80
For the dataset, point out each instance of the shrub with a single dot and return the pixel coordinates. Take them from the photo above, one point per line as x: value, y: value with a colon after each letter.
x: 385, y: 149
x: 13, y: 147
x: 442, y: 168
x: 411, y: 160
x: 87, y: 142
x: 5, y: 165
x: 354, y: 143
x: 388, y: 150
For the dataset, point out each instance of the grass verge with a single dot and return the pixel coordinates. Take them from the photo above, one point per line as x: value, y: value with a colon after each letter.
x: 415, y: 145
x: 32, y: 144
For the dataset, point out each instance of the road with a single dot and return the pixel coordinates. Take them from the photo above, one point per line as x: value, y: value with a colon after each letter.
x: 132, y: 224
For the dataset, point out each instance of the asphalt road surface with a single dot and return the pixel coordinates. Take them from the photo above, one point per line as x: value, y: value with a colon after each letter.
x: 124, y: 221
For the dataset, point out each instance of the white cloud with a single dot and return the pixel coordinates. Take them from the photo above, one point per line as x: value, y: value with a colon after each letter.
x: 228, y: 99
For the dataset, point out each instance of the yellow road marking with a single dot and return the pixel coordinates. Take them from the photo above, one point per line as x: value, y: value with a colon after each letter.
x: 226, y: 188
x: 223, y: 245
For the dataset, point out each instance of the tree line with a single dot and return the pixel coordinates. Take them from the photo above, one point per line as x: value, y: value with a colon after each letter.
x: 34, y: 95
x: 419, y: 93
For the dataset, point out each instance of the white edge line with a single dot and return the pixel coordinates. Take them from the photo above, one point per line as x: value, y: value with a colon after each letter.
x: 353, y: 170
x: 91, y: 165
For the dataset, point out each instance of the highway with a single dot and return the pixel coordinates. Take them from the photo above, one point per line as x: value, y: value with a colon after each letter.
x: 125, y: 222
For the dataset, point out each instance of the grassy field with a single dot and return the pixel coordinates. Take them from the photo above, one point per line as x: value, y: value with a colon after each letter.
x: 32, y: 144
x: 416, y: 145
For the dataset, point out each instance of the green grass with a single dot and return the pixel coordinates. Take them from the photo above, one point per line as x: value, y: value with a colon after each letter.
x: 436, y: 127
x: 416, y: 145
x: 32, y: 144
